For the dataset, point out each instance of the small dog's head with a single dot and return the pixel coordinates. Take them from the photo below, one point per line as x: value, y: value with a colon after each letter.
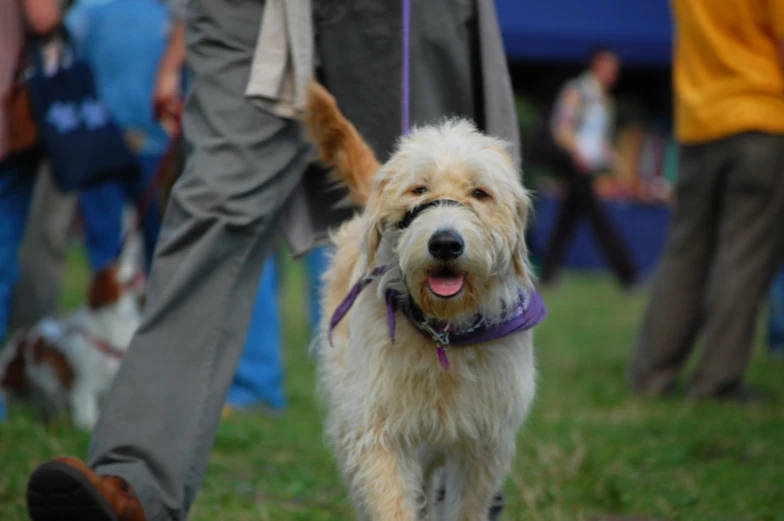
x: 112, y: 283
x: 449, y: 210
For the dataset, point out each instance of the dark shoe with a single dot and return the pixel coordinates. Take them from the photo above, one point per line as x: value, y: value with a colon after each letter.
x: 660, y: 386
x: 624, y: 518
x: 633, y: 285
x: 65, y: 489
x: 741, y: 394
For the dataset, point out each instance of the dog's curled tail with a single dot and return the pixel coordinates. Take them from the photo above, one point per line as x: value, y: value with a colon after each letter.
x: 339, y: 145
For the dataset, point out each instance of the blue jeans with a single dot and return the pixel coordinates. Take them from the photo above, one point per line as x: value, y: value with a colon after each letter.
x: 17, y: 177
x: 102, y: 206
x: 776, y: 318
x: 259, y: 376
x: 316, y: 263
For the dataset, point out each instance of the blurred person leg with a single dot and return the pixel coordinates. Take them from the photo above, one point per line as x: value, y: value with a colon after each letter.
x: 259, y: 376
x: 158, y: 424
x: 17, y: 179
x: 605, y: 233
x: 568, y: 217
x: 775, y: 332
x: 722, y: 251
x: 582, y: 200
x: 316, y: 262
x: 670, y: 324
x: 747, y: 254
x: 42, y: 254
x: 146, y: 201
x: 102, y: 208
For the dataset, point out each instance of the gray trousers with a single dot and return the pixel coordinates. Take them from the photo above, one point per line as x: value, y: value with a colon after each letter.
x: 723, y: 248
x: 42, y: 252
x: 158, y: 424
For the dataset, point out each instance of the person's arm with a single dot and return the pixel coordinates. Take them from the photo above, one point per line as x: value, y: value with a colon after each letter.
x: 167, y: 90
x: 42, y: 17
x: 44, y: 20
x: 777, y: 20
x: 610, y: 155
x: 781, y: 52
x: 174, y: 57
x: 10, y: 48
x: 565, y: 120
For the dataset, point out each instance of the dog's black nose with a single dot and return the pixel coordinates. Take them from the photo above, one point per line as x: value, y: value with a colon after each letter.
x: 445, y: 245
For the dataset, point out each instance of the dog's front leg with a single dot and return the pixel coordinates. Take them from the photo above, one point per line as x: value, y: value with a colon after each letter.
x: 386, y: 483
x: 473, y: 477
x: 84, y: 406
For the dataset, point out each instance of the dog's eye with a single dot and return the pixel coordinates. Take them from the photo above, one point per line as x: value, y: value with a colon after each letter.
x: 419, y: 190
x: 479, y: 194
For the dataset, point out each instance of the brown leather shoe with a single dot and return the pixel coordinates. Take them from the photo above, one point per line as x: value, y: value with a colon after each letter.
x: 65, y: 489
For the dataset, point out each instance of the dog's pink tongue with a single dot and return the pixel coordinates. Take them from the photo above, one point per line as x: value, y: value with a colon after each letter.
x: 445, y: 286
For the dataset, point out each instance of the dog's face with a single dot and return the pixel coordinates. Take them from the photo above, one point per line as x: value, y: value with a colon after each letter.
x: 449, y: 211
x: 110, y: 284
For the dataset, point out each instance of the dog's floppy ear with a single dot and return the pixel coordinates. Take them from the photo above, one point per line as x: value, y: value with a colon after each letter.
x: 45, y: 352
x: 374, y: 222
x: 105, y: 288
x: 371, y: 239
x: 13, y: 372
x: 522, y: 265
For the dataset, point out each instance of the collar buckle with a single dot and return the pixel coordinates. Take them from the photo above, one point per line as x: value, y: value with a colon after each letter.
x: 440, y: 337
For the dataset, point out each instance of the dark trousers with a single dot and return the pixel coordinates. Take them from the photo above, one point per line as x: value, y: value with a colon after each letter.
x: 723, y: 249
x: 582, y: 201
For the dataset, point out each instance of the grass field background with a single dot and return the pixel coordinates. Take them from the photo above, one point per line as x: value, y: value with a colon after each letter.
x: 588, y: 448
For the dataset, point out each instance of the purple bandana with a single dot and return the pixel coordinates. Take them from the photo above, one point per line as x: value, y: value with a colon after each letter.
x: 529, y: 311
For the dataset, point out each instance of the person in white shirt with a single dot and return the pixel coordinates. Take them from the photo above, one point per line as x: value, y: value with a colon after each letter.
x: 579, y: 145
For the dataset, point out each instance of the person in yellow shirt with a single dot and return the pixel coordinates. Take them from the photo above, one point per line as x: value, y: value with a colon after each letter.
x: 723, y: 247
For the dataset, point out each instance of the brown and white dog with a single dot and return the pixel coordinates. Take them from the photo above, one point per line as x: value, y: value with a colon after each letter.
x: 67, y: 366
x: 426, y: 353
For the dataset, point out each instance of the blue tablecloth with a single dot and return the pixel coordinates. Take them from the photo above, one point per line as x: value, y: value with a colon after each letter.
x: 643, y: 227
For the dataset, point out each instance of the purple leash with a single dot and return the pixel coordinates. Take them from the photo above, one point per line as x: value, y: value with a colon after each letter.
x: 406, y: 62
x: 528, y: 312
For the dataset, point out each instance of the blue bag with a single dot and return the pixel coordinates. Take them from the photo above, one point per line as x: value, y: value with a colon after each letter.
x: 79, y: 138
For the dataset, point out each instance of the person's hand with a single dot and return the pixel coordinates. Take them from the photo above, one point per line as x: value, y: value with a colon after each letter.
x: 581, y: 163
x: 166, y: 99
x: 42, y: 16
x: 611, y: 158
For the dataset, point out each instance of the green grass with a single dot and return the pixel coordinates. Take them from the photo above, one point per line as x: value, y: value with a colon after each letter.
x: 588, y: 448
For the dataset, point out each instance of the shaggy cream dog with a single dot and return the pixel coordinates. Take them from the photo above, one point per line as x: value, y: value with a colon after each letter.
x: 427, y: 356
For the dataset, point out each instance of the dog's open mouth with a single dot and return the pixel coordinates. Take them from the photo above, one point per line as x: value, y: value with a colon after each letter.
x: 445, y: 282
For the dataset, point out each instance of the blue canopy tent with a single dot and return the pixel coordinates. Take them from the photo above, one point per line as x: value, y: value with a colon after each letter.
x: 566, y: 30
